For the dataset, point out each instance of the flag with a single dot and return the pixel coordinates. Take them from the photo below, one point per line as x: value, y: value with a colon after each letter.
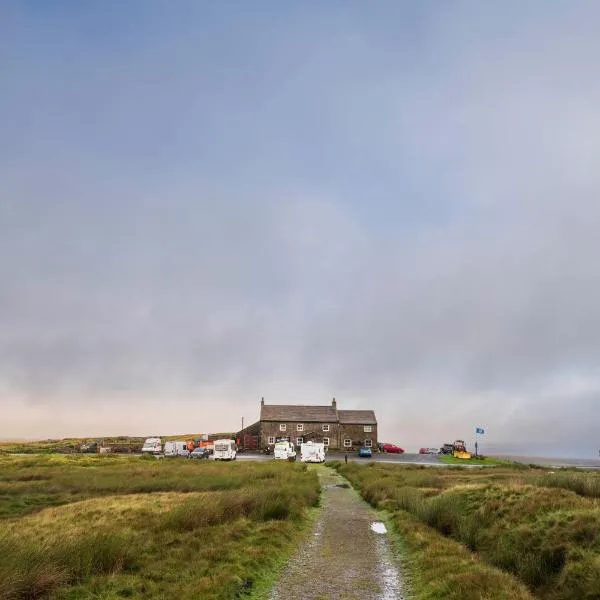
x: 479, y: 430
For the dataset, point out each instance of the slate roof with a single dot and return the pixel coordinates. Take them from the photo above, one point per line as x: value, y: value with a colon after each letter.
x: 357, y: 417
x: 297, y: 412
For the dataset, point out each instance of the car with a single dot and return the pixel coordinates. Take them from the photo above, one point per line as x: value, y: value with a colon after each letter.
x: 423, y: 450
x: 392, y: 448
x: 432, y: 450
x: 199, y: 453
x: 365, y: 452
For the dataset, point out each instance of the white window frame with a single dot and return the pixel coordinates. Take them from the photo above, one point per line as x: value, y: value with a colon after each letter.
x: 299, y: 441
x: 368, y: 443
x: 326, y: 427
x: 325, y: 441
x: 368, y: 428
x: 347, y: 443
x: 282, y: 427
x: 300, y: 427
x: 271, y: 440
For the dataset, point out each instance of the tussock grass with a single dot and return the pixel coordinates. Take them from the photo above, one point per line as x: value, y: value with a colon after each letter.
x: 544, y: 530
x: 77, y: 528
x: 584, y: 484
x: 34, y: 570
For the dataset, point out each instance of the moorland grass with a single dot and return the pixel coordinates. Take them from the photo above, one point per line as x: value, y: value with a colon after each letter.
x: 545, y: 531
x: 92, y: 527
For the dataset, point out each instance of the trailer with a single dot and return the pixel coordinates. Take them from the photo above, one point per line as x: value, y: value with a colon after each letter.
x: 225, y: 450
x: 176, y: 449
x: 284, y: 451
x: 312, y: 452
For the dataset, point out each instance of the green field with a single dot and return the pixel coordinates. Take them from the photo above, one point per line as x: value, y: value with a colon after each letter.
x: 492, y: 533
x: 108, y: 527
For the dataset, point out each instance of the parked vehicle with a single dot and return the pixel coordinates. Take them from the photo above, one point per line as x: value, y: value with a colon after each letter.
x: 423, y: 450
x: 176, y: 449
x: 392, y: 448
x: 199, y: 453
x: 312, y: 452
x: 225, y: 450
x: 432, y: 450
x: 446, y: 449
x: 152, y: 445
x: 365, y: 452
x: 459, y: 450
x: 284, y: 451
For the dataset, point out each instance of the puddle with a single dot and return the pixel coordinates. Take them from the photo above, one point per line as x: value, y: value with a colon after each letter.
x: 378, y: 527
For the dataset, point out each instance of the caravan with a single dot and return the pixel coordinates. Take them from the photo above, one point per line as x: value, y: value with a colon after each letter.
x: 284, y: 451
x: 176, y: 449
x: 225, y: 450
x: 312, y: 452
x: 152, y: 445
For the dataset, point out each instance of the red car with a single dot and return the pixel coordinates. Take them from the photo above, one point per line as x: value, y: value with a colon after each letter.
x: 392, y: 449
x: 423, y: 450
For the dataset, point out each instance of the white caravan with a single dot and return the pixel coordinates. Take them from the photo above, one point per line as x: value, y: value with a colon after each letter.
x: 176, y: 449
x: 225, y: 450
x: 152, y: 445
x: 312, y: 452
x: 284, y: 451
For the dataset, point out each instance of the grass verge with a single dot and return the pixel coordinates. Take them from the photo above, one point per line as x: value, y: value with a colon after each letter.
x: 494, y: 525
x: 149, y: 529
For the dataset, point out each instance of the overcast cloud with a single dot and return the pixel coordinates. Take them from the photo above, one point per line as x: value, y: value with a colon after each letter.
x: 396, y: 204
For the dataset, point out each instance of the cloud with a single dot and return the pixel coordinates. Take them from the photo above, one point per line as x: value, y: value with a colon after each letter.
x: 399, y: 209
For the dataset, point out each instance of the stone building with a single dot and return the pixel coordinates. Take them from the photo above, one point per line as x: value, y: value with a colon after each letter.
x: 337, y: 429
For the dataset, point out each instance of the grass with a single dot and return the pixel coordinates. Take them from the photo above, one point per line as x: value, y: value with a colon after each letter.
x: 83, y: 527
x: 538, y: 534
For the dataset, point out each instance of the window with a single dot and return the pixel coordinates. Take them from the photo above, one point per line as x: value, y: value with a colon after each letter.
x: 325, y: 427
x: 299, y: 441
x: 300, y: 427
x: 368, y: 443
x: 347, y: 443
x: 282, y: 427
x: 368, y: 428
x: 326, y: 441
x: 271, y: 440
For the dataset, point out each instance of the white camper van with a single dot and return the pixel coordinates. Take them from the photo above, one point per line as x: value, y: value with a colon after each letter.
x: 176, y: 449
x: 225, y: 450
x: 152, y: 445
x: 312, y: 452
x: 284, y: 451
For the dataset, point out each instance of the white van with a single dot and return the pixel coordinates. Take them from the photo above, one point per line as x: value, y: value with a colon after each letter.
x: 312, y: 452
x: 152, y: 445
x: 176, y: 449
x: 225, y: 450
x: 284, y: 451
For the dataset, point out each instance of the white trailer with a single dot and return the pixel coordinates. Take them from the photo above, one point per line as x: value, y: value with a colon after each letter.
x: 312, y: 452
x: 284, y: 451
x: 152, y: 445
x: 225, y: 450
x: 176, y: 449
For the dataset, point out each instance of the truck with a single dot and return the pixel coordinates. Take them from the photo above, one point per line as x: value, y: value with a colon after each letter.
x: 284, y: 451
x: 176, y: 449
x: 225, y: 450
x: 152, y: 445
x: 313, y: 452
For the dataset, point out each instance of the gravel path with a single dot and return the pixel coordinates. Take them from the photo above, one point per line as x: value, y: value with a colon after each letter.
x: 344, y: 558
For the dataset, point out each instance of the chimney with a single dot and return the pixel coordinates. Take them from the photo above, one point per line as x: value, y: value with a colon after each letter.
x: 334, y: 404
x: 262, y: 401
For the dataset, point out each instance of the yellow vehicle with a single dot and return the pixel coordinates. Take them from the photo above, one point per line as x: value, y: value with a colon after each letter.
x: 459, y: 450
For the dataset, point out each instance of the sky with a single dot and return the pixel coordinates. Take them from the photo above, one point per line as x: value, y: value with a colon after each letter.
x: 391, y: 203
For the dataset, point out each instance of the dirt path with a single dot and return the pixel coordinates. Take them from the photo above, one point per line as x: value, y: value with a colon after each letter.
x: 344, y: 558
